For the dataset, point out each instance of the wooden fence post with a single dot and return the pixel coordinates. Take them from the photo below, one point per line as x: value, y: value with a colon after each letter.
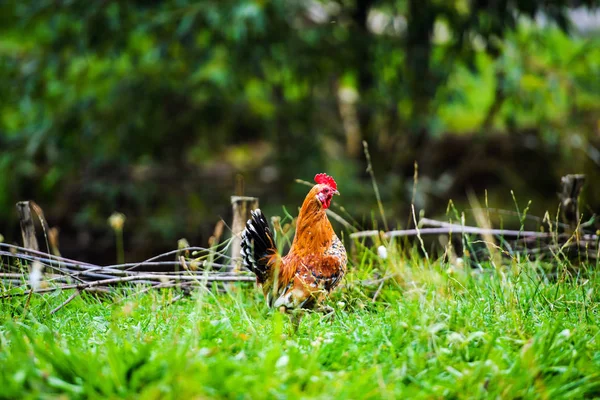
x: 241, y: 205
x: 27, y: 227
x: 30, y: 241
x: 571, y: 186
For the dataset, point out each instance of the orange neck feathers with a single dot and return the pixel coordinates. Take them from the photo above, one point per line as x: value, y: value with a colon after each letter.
x: 313, y: 229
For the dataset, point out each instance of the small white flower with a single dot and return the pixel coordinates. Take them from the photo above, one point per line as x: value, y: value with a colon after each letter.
x: 565, y: 333
x: 116, y: 221
x: 382, y: 251
x: 204, y: 351
x: 282, y: 362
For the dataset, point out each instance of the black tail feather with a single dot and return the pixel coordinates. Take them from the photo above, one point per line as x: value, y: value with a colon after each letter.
x: 258, y: 245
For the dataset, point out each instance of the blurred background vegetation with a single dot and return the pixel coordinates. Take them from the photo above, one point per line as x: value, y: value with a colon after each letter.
x: 163, y: 109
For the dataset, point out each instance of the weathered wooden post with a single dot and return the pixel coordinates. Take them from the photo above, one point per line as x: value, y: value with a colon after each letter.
x: 571, y: 186
x: 241, y: 205
x: 30, y: 242
x: 27, y: 227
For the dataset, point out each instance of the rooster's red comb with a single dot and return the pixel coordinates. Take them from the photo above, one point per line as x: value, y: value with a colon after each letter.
x: 326, y: 179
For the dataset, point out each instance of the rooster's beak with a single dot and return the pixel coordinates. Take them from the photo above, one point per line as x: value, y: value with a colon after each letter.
x: 336, y: 192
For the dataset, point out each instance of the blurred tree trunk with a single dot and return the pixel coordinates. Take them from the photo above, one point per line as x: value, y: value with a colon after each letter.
x: 496, y: 106
x: 361, y: 45
x: 360, y: 42
x: 422, y: 83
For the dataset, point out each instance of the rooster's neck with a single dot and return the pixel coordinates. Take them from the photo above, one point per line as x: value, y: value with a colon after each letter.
x: 313, y: 229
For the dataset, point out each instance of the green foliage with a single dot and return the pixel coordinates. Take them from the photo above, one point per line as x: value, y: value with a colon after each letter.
x: 136, y: 106
x: 445, y: 332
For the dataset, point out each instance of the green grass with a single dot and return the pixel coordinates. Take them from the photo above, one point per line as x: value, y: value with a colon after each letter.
x: 433, y: 332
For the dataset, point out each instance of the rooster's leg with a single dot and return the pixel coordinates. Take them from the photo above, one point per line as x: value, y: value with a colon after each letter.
x: 328, y: 312
x: 295, y: 318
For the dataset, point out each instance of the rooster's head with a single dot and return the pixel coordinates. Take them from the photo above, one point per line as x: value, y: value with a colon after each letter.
x: 325, y: 189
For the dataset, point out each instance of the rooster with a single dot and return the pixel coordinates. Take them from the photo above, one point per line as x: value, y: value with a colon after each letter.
x: 316, y: 262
